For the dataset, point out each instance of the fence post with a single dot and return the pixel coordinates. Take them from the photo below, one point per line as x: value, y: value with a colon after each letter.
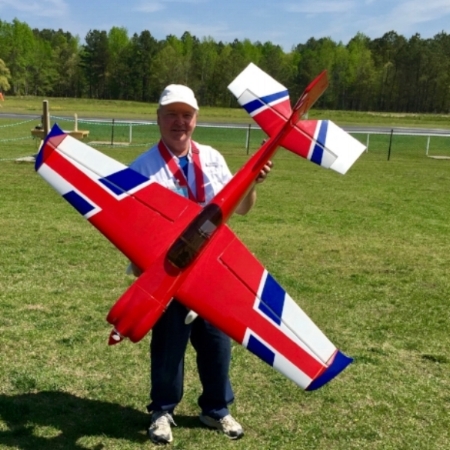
x: 428, y: 145
x: 112, y: 133
x: 247, y: 145
x: 45, y: 117
x: 390, y: 145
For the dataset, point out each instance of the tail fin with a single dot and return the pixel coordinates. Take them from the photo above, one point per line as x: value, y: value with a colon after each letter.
x: 310, y: 95
x: 267, y: 102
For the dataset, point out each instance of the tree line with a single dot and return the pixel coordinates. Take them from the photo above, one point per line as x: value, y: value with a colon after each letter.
x: 390, y: 73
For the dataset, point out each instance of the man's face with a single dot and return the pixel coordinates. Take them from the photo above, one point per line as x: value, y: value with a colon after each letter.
x: 177, y: 122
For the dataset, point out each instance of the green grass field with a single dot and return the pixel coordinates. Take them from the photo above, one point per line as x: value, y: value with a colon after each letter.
x: 366, y: 255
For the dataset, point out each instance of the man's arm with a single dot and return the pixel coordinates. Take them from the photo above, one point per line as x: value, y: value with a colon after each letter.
x: 249, y: 200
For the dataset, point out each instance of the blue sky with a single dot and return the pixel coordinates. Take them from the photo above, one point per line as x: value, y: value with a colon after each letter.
x: 283, y: 22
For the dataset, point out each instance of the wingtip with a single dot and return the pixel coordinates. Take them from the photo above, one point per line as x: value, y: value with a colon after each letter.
x: 254, y: 79
x: 339, y: 363
x: 56, y: 135
x: 347, y: 148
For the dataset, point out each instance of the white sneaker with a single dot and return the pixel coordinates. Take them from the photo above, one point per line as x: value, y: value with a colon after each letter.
x: 228, y: 425
x: 160, y: 431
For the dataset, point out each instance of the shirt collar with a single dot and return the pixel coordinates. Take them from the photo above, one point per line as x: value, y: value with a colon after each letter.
x: 188, y: 154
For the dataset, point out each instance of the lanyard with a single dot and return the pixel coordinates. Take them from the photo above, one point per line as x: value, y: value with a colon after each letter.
x: 179, y: 175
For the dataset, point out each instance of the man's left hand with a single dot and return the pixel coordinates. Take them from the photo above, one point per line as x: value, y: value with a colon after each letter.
x: 264, y: 172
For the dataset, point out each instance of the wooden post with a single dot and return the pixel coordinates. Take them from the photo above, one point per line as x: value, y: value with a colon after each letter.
x: 45, y: 118
x: 75, y: 127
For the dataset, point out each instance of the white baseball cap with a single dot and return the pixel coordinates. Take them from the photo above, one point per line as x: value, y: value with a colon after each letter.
x: 178, y: 93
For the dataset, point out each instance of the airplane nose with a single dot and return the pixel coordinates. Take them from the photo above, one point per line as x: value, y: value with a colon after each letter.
x: 115, y: 337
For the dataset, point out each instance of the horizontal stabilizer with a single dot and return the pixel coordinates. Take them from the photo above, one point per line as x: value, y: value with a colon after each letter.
x: 264, y: 99
x: 346, y: 147
x: 255, y: 90
x: 320, y: 141
x: 324, y: 143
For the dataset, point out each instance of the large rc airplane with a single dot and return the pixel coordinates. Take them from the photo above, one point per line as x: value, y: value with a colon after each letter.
x: 186, y: 251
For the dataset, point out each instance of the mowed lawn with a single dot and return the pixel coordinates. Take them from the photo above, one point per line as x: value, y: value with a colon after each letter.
x: 366, y: 255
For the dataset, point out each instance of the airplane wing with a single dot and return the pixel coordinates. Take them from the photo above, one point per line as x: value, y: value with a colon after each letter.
x: 231, y: 289
x: 320, y: 141
x: 163, y: 233
x: 141, y: 218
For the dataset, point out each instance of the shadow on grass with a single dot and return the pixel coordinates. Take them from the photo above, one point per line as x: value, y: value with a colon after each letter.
x: 57, y: 420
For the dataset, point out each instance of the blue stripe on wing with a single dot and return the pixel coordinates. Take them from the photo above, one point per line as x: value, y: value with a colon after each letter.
x: 261, y: 350
x: 123, y: 181
x: 79, y: 203
x: 317, y: 154
x: 272, y: 299
x: 267, y: 100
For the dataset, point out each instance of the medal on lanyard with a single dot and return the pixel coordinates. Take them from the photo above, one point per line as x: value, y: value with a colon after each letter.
x: 179, y: 176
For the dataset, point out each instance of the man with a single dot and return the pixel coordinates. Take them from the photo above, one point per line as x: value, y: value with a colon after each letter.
x: 198, y: 172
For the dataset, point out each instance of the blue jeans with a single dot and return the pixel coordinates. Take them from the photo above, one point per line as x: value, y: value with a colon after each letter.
x: 170, y: 336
